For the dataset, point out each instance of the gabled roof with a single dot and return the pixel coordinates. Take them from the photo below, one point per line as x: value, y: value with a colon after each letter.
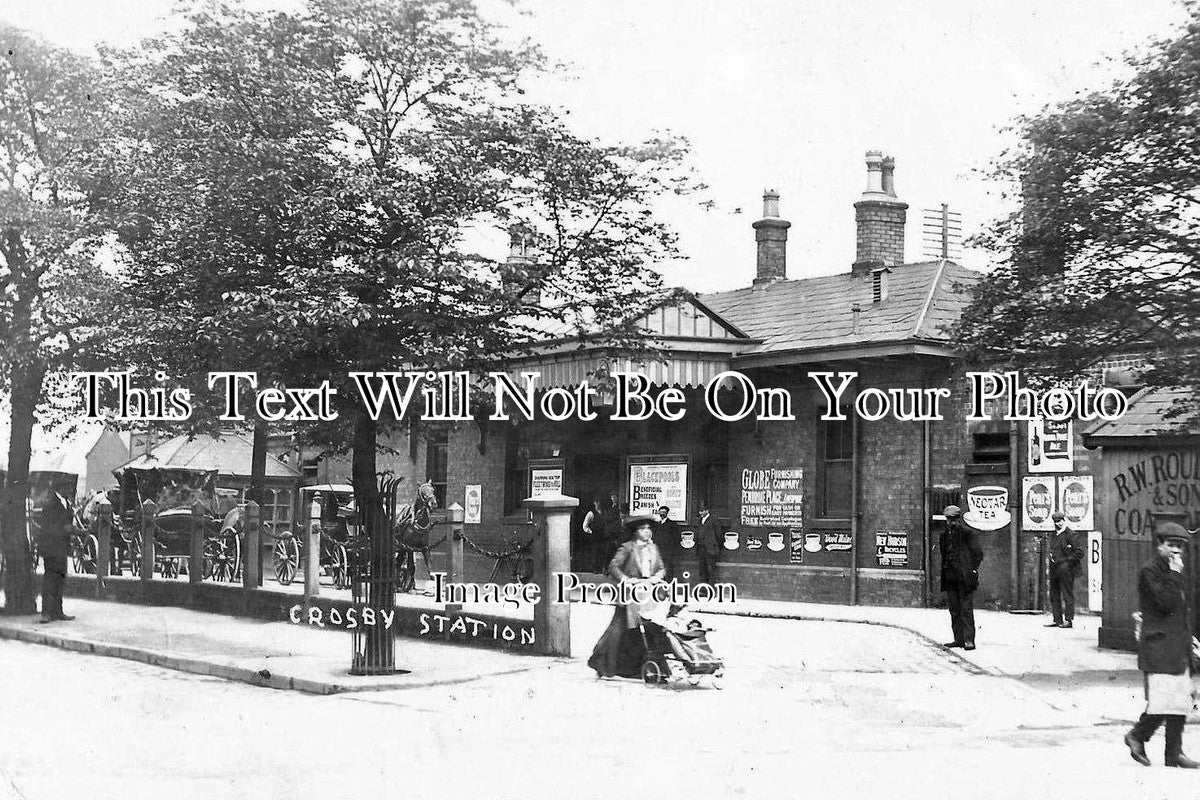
x: 1146, y: 419
x: 229, y: 454
x: 814, y: 314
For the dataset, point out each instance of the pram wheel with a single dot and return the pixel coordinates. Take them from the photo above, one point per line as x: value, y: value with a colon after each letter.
x: 652, y: 673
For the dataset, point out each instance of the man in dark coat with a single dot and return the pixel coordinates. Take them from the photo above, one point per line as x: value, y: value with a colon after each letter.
x: 961, y: 557
x: 708, y: 545
x: 1065, y: 558
x: 667, y: 538
x: 1164, y: 648
x: 55, y: 545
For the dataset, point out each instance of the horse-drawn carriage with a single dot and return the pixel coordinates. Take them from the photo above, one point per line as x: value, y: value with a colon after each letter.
x: 344, y: 543
x: 338, y: 521
x: 182, y: 501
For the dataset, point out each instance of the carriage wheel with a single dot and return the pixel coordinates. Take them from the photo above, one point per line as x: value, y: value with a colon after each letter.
x: 88, y: 554
x: 523, y: 568
x: 287, y: 560
x: 210, y: 559
x: 135, y: 556
x: 406, y: 570
x: 339, y: 567
x: 227, y: 563
x: 76, y: 555
x: 652, y: 673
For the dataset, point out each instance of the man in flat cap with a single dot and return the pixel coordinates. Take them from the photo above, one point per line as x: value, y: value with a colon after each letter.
x: 1164, y: 648
x: 961, y: 557
x: 1065, y: 557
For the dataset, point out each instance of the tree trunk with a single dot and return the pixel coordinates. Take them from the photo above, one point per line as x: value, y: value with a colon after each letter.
x: 19, y: 589
x: 258, y: 464
x: 380, y: 656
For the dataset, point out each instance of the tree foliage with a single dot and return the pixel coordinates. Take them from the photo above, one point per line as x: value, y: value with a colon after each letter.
x: 54, y: 295
x: 299, y: 195
x: 1103, y: 256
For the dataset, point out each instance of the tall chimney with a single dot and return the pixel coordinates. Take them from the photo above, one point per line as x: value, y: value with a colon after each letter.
x: 879, y: 217
x: 770, y: 233
x: 520, y: 255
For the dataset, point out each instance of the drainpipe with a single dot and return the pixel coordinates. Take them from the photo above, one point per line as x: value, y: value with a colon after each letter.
x: 1014, y: 494
x: 926, y: 511
x: 854, y: 463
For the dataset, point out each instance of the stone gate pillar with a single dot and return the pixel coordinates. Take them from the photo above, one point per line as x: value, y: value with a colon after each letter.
x: 551, y: 555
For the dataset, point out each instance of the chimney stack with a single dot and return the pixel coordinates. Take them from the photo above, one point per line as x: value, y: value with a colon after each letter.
x: 520, y: 256
x: 770, y: 233
x: 879, y: 217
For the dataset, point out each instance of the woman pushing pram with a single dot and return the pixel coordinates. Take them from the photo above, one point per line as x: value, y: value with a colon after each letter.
x: 643, y: 639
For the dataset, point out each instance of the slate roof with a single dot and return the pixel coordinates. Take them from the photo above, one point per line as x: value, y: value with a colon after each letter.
x: 1147, y: 418
x: 228, y: 454
x: 815, y: 313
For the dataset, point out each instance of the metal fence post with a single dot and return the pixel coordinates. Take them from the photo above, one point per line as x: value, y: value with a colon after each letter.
x: 551, y: 556
x: 149, y: 509
x: 454, y: 545
x: 252, y: 559
x: 196, y: 551
x: 103, y: 548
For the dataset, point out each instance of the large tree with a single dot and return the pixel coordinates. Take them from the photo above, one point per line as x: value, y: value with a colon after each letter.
x: 223, y: 184
x: 317, y: 175
x: 53, y: 292
x: 1103, y: 255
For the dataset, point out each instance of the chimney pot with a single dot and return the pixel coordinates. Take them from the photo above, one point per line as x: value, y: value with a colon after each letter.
x: 770, y: 203
x: 889, y: 178
x: 874, y: 172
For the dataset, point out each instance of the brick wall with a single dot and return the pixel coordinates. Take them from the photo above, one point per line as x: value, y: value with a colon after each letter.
x: 879, y: 230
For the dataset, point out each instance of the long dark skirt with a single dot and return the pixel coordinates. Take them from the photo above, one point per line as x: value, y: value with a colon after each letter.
x: 620, y: 650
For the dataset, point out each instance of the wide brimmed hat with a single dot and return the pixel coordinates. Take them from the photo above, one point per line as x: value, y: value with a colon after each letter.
x: 633, y: 523
x: 952, y: 511
x: 1172, y: 531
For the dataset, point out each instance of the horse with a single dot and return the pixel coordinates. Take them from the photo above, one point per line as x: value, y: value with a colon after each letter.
x: 411, y: 532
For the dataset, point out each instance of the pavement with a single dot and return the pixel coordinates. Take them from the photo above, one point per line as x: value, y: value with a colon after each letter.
x: 278, y: 655
x: 825, y: 708
x: 1062, y: 668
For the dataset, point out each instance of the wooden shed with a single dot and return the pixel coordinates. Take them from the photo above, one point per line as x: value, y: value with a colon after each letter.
x: 1149, y: 469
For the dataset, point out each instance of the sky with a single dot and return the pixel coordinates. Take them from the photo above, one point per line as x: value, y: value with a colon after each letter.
x: 783, y: 94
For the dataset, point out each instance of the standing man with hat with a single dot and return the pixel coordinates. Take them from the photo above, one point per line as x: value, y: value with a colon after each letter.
x: 1065, y: 558
x: 961, y: 557
x: 708, y: 545
x: 1164, y: 648
x: 55, y: 546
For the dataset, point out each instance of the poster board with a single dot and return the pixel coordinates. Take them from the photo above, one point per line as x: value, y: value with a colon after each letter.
x: 1076, y: 500
x: 1048, y: 446
x: 545, y: 478
x: 473, y: 504
x: 658, y: 484
x: 772, y: 497
x: 1038, y: 496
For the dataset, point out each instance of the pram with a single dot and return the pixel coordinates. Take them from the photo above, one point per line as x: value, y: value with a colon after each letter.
x: 678, y: 649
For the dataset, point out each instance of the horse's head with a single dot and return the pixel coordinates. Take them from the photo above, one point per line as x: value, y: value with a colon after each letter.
x: 426, y: 497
